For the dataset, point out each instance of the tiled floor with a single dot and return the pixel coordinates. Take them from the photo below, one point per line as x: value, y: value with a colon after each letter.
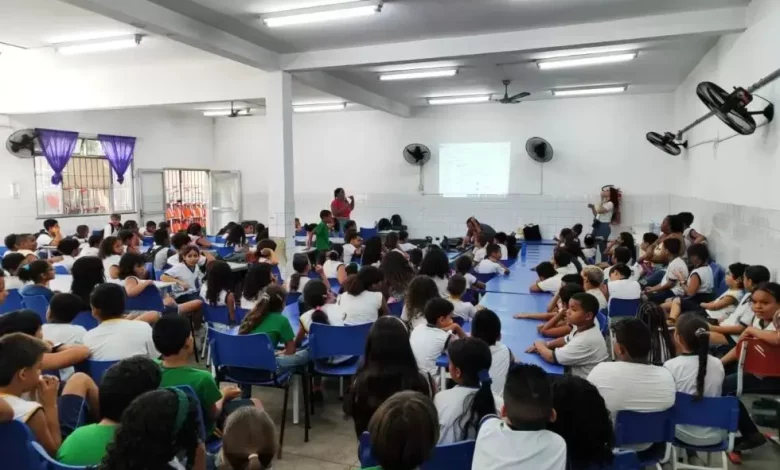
x: 332, y: 444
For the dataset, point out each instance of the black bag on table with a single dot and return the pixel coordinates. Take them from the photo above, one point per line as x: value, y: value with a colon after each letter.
x: 532, y: 233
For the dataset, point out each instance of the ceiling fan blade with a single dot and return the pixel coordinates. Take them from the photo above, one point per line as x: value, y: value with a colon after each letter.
x: 519, y: 96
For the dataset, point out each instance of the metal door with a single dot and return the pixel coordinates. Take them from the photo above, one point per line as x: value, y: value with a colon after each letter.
x: 151, y: 190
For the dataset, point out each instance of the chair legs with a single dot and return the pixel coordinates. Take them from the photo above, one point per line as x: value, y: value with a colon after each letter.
x: 284, y: 419
x: 305, y: 383
x: 194, y: 342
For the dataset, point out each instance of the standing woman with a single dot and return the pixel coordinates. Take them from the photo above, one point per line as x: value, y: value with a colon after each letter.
x: 341, y: 207
x: 474, y: 228
x: 604, y: 214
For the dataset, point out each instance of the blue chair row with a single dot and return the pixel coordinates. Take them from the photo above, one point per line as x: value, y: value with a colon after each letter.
x: 326, y: 341
x: 60, y: 269
x: 12, y: 302
x: 36, y: 303
x: 366, y: 233
x: 456, y: 456
x: 396, y: 308
x: 719, y: 278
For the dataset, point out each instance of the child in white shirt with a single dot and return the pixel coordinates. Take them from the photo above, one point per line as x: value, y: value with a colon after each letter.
x: 334, y: 268
x: 480, y: 244
x: 700, y: 283
x: 111, y: 251
x: 491, y: 264
x: 11, y: 264
x: 676, y: 273
x: 420, y: 291
x: 487, y: 327
x: 519, y: 440
x: 589, y: 248
x: 463, y: 267
x: 593, y: 279
x: 363, y: 300
x: 500, y: 240
x: 92, y: 248
x: 218, y: 289
x: 185, y: 275
x: 549, y: 278
x: 69, y: 249
x: 430, y: 340
x: 620, y: 286
x: 456, y: 288
x: 403, y: 244
x: 352, y: 246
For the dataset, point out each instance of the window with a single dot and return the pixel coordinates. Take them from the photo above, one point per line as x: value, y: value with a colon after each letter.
x: 474, y: 169
x: 88, y: 186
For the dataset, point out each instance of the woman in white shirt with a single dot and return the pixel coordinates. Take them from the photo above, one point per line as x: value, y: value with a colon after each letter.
x: 362, y: 297
x: 604, y: 214
x: 436, y: 266
x: 111, y: 251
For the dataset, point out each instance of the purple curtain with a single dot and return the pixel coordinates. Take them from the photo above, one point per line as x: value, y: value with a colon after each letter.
x: 58, y: 147
x: 119, y: 152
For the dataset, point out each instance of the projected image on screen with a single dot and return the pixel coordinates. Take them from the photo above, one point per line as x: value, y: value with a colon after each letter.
x: 474, y: 169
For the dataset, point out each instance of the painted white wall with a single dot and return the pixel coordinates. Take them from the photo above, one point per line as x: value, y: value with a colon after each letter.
x: 165, y: 139
x: 597, y: 141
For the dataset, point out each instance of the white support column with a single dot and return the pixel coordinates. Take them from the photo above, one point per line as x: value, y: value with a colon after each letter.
x: 281, y: 194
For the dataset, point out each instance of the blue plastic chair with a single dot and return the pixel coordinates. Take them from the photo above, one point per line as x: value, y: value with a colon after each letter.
x: 396, y: 308
x: 12, y: 302
x: 48, y: 463
x: 17, y: 442
x: 623, y: 308
x: 292, y: 297
x: 326, y: 341
x: 603, y: 322
x: 97, y: 232
x: 456, y: 456
x: 213, y: 314
x: 36, y: 303
x: 633, y: 428
x: 213, y: 445
x: 484, y: 278
x: 223, y: 251
x: 334, y: 284
x: 148, y: 241
x: 95, y: 369
x: 366, y: 233
x: 276, y: 272
x: 719, y: 278
x: 713, y: 412
x: 149, y: 299
x: 212, y: 238
x: 85, y: 320
x: 3, y: 249
x: 233, y: 364
x: 60, y: 269
x: 301, y: 233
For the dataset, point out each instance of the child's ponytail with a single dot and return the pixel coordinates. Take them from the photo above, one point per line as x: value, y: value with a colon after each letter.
x: 271, y: 300
x: 315, y: 295
x: 473, y: 357
x: 694, y: 333
x: 703, y: 350
x: 300, y: 264
x: 33, y: 272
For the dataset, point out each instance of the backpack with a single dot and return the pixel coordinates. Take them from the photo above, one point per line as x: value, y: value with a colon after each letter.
x: 532, y: 233
x: 383, y: 224
x: 150, y: 255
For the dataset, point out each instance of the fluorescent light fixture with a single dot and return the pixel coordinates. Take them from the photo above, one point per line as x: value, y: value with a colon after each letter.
x: 226, y: 112
x: 321, y: 14
x: 591, y: 91
x: 100, y: 46
x: 585, y: 61
x: 88, y: 36
x: 459, y: 99
x: 314, y: 108
x: 417, y: 74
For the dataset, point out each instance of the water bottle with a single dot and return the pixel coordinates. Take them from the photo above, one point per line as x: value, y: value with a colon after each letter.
x: 523, y: 251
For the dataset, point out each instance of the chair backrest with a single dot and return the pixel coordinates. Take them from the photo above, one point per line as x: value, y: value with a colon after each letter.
x: 719, y: 278
x: 191, y: 393
x: 759, y: 358
x: 85, y: 319
x: 396, y: 308
x: 468, y: 296
x: 364, y: 451
x: 334, y: 284
x: 292, y: 298
x: 149, y: 299
x: 12, y: 302
x: 328, y: 341
x: 713, y: 412
x: 18, y: 452
x: 150, y: 274
x: 36, y: 303
x: 230, y: 350
x: 60, y: 269
x: 603, y: 322
x: 623, y: 460
x: 48, y: 463
x: 3, y: 249
x: 456, y: 456
x: 223, y: 251
x: 484, y: 278
x: 95, y: 369
x: 216, y: 314
x: 148, y: 241
x: 623, y: 308
x: 366, y: 233
x: 632, y: 427
x: 275, y: 270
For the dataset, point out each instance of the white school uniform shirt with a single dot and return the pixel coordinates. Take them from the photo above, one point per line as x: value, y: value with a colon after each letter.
x: 301, y: 283
x: 118, y: 339
x: 161, y: 257
x: 112, y: 260
x: 183, y: 273
x: 428, y: 343
x: 249, y: 304
x: 331, y: 268
x: 334, y: 312
x: 414, y: 322
x: 504, y: 251
x: 407, y: 246
x: 470, y: 280
x: 63, y: 333
x: 624, y: 289
x: 766, y: 325
x: 363, y: 308
x: 221, y: 298
x: 479, y: 254
x: 23, y: 409
x: 568, y: 269
x: 606, y: 217
x: 44, y: 239
x: 583, y: 351
x: 599, y: 296
x: 743, y: 315
x: 499, y: 447
x: 88, y: 251
x: 676, y: 271
x: 109, y: 230
x: 450, y: 407
x: 24, y: 253
x: 441, y: 284
x: 13, y: 282
x: 487, y: 266
x: 67, y: 262
x: 706, y: 280
x: 502, y: 359
x: 589, y: 253
x: 174, y: 260
x: 684, y: 369
x: 551, y: 284
x: 464, y: 310
x: 728, y: 310
x: 349, y: 252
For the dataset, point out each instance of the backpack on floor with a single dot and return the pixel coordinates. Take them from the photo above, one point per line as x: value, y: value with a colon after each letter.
x: 532, y: 233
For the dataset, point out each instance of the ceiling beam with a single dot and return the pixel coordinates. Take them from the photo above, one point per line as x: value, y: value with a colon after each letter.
x: 653, y: 27
x: 151, y: 17
x: 352, y: 93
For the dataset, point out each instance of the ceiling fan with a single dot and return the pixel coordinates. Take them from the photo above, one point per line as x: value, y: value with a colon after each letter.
x: 511, y: 99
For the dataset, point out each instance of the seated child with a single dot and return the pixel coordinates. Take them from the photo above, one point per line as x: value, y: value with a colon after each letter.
x: 218, y: 289
x: 519, y: 439
x: 36, y: 277
x: 724, y: 305
x: 132, y: 271
x: 161, y: 249
x: 500, y: 240
x: 462, y: 407
x: 174, y: 340
x: 12, y: 262
x: 63, y: 308
x: 352, y: 246
x: 116, y: 338
x: 549, y: 278
x: 557, y: 304
x: 69, y: 249
x: 151, y: 229
x: 121, y: 384
x: 676, y: 272
x: 623, y: 255
x: 257, y: 277
x: 93, y: 246
x: 420, y: 291
x: 82, y: 234
x: 24, y: 244
x: 582, y: 349
x: 430, y: 340
x: 589, y: 248
x: 456, y: 288
x: 563, y: 261
x: 403, y: 241
x: 49, y: 418
x: 487, y: 327
x: 620, y: 285
x: 463, y: 267
x: 186, y: 276
x: 699, y: 285
x: 404, y: 431
x: 593, y: 282
x: 333, y: 267
x: 111, y: 251
x: 728, y: 330
x: 249, y: 436
x: 557, y: 326
x: 491, y: 263
x: 481, y: 242
x: 319, y: 298
x: 415, y: 258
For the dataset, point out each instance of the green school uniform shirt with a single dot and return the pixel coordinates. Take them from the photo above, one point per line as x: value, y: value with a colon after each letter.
x: 201, y: 382
x: 277, y: 327
x: 321, y: 231
x: 86, y: 445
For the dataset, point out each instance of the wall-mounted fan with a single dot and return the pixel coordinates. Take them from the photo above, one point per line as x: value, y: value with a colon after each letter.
x: 417, y: 154
x: 732, y: 108
x: 666, y: 142
x: 511, y: 99
x: 21, y: 143
x: 539, y: 149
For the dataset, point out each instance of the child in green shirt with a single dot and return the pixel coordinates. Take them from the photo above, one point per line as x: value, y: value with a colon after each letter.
x: 121, y: 383
x: 173, y: 338
x: 321, y: 232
